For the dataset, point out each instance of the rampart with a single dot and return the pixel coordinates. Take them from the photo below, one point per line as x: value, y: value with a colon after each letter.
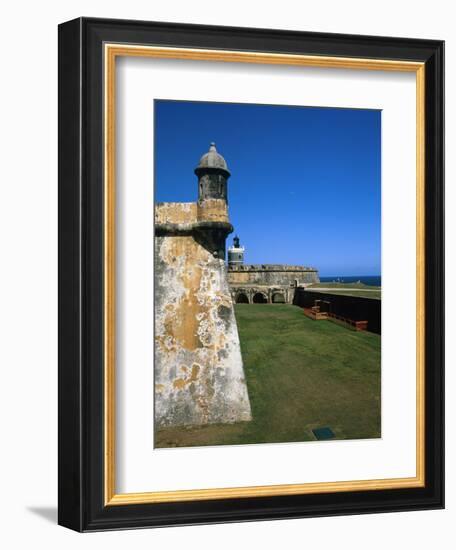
x: 199, y: 376
x: 271, y: 274
x: 268, y: 283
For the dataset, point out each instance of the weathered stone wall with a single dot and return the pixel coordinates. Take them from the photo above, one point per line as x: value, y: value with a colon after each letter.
x: 251, y: 294
x: 272, y: 275
x: 176, y: 213
x: 199, y: 375
x: 212, y: 210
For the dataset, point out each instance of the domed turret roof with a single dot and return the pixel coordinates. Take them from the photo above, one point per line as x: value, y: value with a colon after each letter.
x: 212, y: 159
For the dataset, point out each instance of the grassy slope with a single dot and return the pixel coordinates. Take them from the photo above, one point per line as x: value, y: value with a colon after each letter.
x: 350, y: 289
x: 335, y: 284
x: 374, y: 294
x: 301, y: 374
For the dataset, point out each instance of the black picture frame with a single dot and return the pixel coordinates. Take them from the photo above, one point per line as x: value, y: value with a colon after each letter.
x: 81, y: 471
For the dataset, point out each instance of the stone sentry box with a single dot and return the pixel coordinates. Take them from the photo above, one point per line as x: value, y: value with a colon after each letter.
x: 199, y: 374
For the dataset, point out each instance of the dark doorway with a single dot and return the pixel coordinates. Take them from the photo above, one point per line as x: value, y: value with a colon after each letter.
x: 324, y: 305
x: 259, y: 298
x: 242, y: 298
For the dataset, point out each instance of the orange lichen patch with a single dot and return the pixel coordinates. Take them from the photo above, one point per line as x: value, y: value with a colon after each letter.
x: 214, y: 210
x: 159, y: 388
x: 180, y: 383
x: 182, y: 319
x: 176, y: 212
x: 166, y: 343
x: 195, y: 372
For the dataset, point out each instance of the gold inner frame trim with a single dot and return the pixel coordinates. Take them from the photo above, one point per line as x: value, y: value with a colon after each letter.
x: 111, y: 52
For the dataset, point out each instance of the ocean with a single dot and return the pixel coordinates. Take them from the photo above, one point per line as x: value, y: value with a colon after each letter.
x: 371, y: 280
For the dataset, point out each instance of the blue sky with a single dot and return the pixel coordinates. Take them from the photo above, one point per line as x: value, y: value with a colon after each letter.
x: 305, y: 184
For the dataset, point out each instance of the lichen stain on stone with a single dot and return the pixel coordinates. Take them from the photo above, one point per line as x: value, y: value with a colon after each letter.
x: 198, y: 365
x: 212, y: 210
x: 224, y: 313
x: 180, y: 318
x: 190, y: 321
x: 180, y: 383
x: 175, y: 212
x: 195, y: 370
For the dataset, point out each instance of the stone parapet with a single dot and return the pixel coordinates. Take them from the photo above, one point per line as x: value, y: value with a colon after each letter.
x: 271, y: 267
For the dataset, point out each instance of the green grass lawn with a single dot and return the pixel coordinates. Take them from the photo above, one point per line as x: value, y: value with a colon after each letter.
x: 374, y: 294
x: 349, y: 289
x: 301, y: 374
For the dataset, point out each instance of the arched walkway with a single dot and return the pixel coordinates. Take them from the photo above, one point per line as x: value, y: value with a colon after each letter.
x: 278, y: 298
x: 259, y: 298
x: 242, y: 298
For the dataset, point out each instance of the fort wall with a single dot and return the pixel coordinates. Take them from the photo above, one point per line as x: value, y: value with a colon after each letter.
x: 270, y: 283
x: 272, y: 275
x: 199, y: 375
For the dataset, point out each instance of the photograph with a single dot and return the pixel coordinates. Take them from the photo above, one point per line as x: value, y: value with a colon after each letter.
x: 267, y: 273
x: 251, y: 272
x: 225, y: 251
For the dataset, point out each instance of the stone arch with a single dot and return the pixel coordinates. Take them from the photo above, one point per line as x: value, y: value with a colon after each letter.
x: 278, y: 298
x: 242, y: 298
x: 260, y: 298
